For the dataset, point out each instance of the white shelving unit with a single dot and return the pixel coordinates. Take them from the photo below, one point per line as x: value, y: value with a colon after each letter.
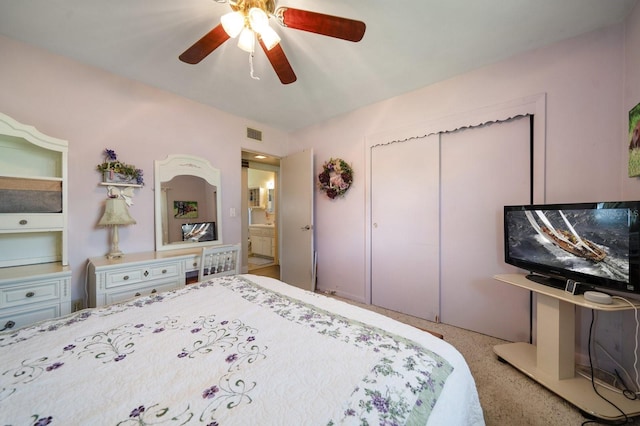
x: 552, y: 362
x: 34, y: 272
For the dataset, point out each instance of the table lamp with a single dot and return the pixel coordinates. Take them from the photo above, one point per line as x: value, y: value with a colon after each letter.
x: 115, y: 214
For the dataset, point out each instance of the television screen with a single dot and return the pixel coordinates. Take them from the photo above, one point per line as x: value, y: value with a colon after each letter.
x: 593, y: 243
x: 198, y: 232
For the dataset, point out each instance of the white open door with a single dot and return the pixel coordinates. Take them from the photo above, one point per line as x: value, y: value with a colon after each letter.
x: 297, y: 266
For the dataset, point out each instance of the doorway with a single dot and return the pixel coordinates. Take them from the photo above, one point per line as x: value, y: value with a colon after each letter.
x: 260, y: 213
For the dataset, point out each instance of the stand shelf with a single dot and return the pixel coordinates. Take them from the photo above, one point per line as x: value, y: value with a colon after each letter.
x: 552, y: 362
x: 35, y: 277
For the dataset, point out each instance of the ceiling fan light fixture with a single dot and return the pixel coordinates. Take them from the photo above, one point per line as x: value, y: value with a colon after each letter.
x: 269, y: 37
x: 258, y: 19
x: 247, y: 40
x: 233, y: 23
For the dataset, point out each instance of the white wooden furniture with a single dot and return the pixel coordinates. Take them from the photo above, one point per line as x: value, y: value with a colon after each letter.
x: 33, y: 293
x: 34, y: 272
x: 552, y: 361
x: 32, y: 162
x: 262, y: 240
x: 219, y: 261
x: 141, y: 274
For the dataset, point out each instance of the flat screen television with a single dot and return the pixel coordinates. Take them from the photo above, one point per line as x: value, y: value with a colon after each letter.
x: 199, y: 231
x: 594, y: 244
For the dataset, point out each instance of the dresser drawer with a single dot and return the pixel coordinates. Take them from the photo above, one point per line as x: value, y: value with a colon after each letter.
x: 31, y: 221
x: 132, y: 276
x: 17, y: 319
x: 31, y: 293
x: 126, y: 294
x: 192, y: 264
x: 120, y: 278
x: 136, y: 274
x: 165, y: 271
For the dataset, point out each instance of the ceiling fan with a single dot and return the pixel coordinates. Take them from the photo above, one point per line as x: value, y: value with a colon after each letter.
x: 249, y: 20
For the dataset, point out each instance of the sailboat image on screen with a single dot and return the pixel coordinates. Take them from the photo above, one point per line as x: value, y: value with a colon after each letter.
x: 597, y: 244
x: 567, y: 239
x: 198, y: 232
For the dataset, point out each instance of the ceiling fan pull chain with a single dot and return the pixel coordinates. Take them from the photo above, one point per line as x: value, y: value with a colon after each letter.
x: 251, y: 65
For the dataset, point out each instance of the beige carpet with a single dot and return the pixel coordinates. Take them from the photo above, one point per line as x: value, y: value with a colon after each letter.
x: 508, y: 397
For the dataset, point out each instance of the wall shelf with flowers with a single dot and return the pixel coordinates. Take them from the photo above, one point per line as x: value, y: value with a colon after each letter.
x: 119, y: 178
x: 118, y: 173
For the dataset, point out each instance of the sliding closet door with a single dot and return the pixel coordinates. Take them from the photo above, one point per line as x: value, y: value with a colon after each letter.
x: 483, y: 168
x: 405, y: 226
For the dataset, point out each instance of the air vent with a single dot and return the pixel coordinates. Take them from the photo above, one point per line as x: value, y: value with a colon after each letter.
x: 254, y: 134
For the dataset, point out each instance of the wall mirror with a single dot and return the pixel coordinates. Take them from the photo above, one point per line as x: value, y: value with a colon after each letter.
x: 187, y: 203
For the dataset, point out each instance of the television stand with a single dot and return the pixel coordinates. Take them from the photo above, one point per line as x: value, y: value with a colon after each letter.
x: 552, y: 362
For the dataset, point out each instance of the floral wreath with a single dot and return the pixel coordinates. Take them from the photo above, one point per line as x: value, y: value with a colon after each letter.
x: 336, y: 177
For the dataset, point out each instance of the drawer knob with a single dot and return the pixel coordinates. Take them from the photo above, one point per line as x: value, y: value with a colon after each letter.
x: 137, y: 294
x: 23, y: 222
x: 126, y: 277
x: 30, y: 294
x: 146, y: 273
x: 154, y: 291
x: 8, y: 325
x: 195, y: 263
x: 164, y: 271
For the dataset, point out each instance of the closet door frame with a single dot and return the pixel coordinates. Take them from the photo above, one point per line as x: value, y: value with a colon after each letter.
x: 534, y: 105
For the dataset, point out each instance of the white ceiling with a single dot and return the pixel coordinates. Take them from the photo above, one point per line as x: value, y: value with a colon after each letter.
x: 408, y: 44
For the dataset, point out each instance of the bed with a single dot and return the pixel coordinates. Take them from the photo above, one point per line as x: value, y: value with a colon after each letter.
x: 232, y: 350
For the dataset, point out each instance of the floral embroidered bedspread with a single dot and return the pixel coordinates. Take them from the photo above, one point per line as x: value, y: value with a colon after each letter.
x: 229, y: 351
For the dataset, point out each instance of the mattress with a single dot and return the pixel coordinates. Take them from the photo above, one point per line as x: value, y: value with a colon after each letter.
x: 234, y: 350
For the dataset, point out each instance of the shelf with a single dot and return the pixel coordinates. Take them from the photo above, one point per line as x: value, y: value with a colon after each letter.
x: 552, y: 362
x: 132, y: 185
x: 31, y: 177
x: 520, y: 280
x: 35, y: 278
x: 577, y: 390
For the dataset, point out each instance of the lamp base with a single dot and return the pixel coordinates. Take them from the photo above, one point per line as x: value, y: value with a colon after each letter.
x: 115, y: 255
x: 115, y: 252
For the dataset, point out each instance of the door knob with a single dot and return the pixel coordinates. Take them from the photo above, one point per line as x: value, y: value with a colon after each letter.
x: 306, y: 228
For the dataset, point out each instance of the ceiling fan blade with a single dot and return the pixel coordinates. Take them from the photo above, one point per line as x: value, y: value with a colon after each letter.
x: 332, y: 26
x: 280, y: 63
x: 203, y: 47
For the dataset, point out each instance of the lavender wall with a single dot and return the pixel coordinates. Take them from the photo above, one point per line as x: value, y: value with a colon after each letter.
x: 94, y: 110
x: 585, y: 146
x: 581, y: 78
